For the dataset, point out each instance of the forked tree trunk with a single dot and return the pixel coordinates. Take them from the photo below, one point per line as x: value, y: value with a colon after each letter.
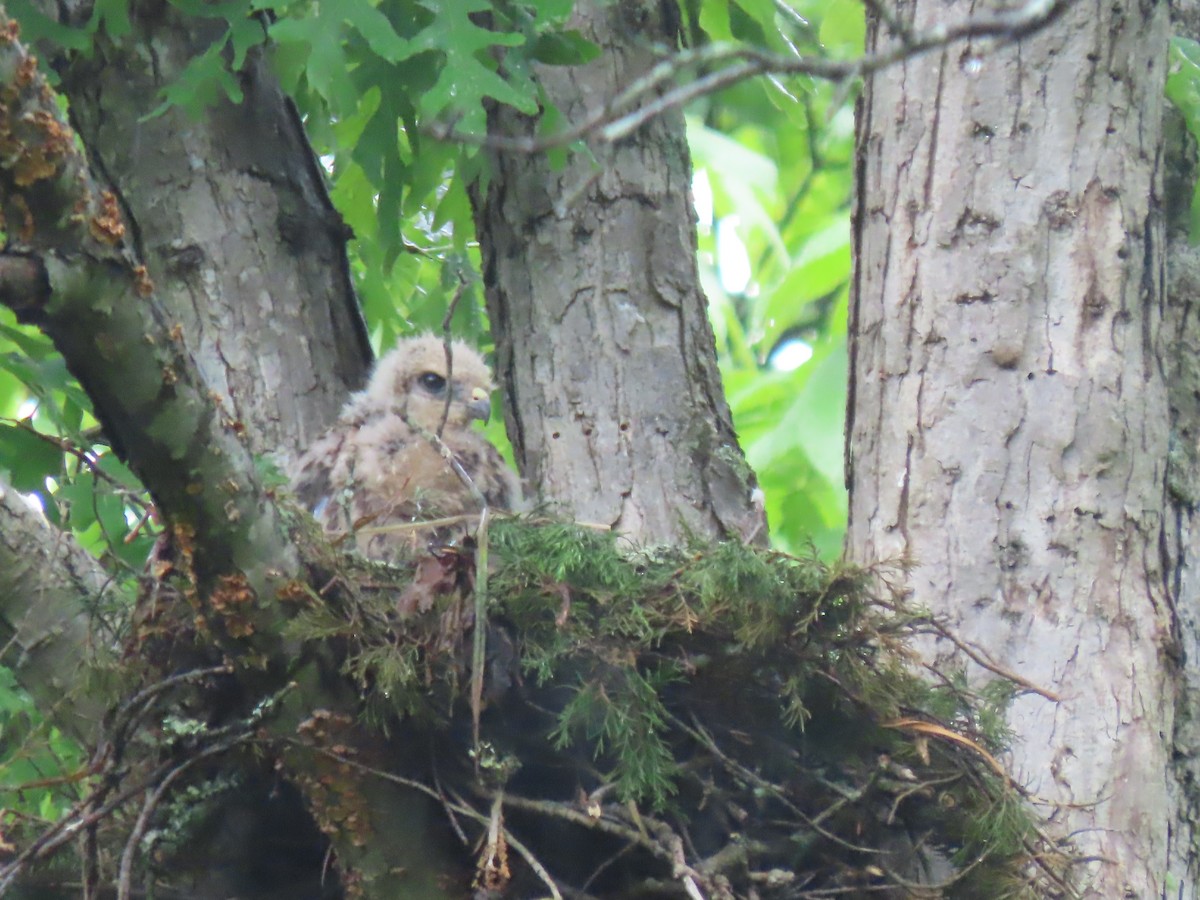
x: 1009, y: 421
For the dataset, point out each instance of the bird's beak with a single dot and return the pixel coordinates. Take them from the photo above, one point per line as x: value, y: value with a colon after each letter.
x: 480, y: 406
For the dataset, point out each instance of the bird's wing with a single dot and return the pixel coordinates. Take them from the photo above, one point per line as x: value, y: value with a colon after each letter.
x: 482, y: 461
x: 312, y: 474
x: 376, y: 475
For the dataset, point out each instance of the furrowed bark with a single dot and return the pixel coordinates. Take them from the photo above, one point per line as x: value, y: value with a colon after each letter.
x: 230, y: 214
x: 598, y: 315
x: 49, y: 589
x: 1009, y: 407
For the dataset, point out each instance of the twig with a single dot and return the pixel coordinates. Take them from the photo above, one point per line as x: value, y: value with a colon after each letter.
x: 66, y: 828
x: 150, y: 804
x: 612, y: 121
x: 980, y: 658
x: 448, y: 455
x: 422, y: 524
x: 931, y: 729
x: 449, y: 809
x: 479, y: 634
x: 144, y: 696
x: 599, y: 870
x: 524, y: 852
x: 459, y: 806
x: 446, y: 346
x: 701, y: 736
x: 67, y: 446
x: 608, y: 825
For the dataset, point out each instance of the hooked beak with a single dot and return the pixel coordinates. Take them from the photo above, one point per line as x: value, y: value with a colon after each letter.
x: 480, y: 405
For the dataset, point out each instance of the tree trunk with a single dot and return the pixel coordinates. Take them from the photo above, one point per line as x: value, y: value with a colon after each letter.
x: 603, y: 344
x: 1183, y: 478
x: 230, y: 214
x: 1009, y: 426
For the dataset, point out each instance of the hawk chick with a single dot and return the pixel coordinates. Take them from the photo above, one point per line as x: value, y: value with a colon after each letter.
x: 380, y: 464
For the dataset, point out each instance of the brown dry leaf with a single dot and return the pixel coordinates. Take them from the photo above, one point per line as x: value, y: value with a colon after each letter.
x: 435, y: 576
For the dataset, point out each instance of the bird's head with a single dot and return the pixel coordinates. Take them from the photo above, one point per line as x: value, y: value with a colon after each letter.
x: 411, y: 379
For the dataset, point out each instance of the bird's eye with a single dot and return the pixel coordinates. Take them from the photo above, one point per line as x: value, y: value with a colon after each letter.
x: 432, y: 382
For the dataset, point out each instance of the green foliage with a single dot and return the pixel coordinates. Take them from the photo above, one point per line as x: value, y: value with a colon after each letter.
x: 774, y: 178
x: 39, y: 765
x: 51, y: 449
x: 1183, y: 89
x: 620, y: 715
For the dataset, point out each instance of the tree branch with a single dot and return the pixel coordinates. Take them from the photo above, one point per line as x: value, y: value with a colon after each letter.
x: 625, y: 113
x: 49, y: 587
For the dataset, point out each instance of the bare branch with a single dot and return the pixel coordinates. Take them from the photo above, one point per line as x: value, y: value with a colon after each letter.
x: 625, y: 113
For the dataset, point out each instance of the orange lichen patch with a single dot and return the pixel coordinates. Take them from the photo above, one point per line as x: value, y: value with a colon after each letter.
x: 106, y: 226
x: 10, y: 32
x: 56, y: 134
x: 295, y: 591
x: 25, y: 226
x: 141, y: 282
x: 322, y: 724
x: 201, y: 625
x: 79, y: 211
x: 238, y: 626
x: 44, y: 158
x: 332, y: 787
x: 26, y: 71
x: 176, y: 334
x: 230, y: 600
x: 185, y: 543
x: 32, y: 167
x: 169, y: 376
x: 232, y: 594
